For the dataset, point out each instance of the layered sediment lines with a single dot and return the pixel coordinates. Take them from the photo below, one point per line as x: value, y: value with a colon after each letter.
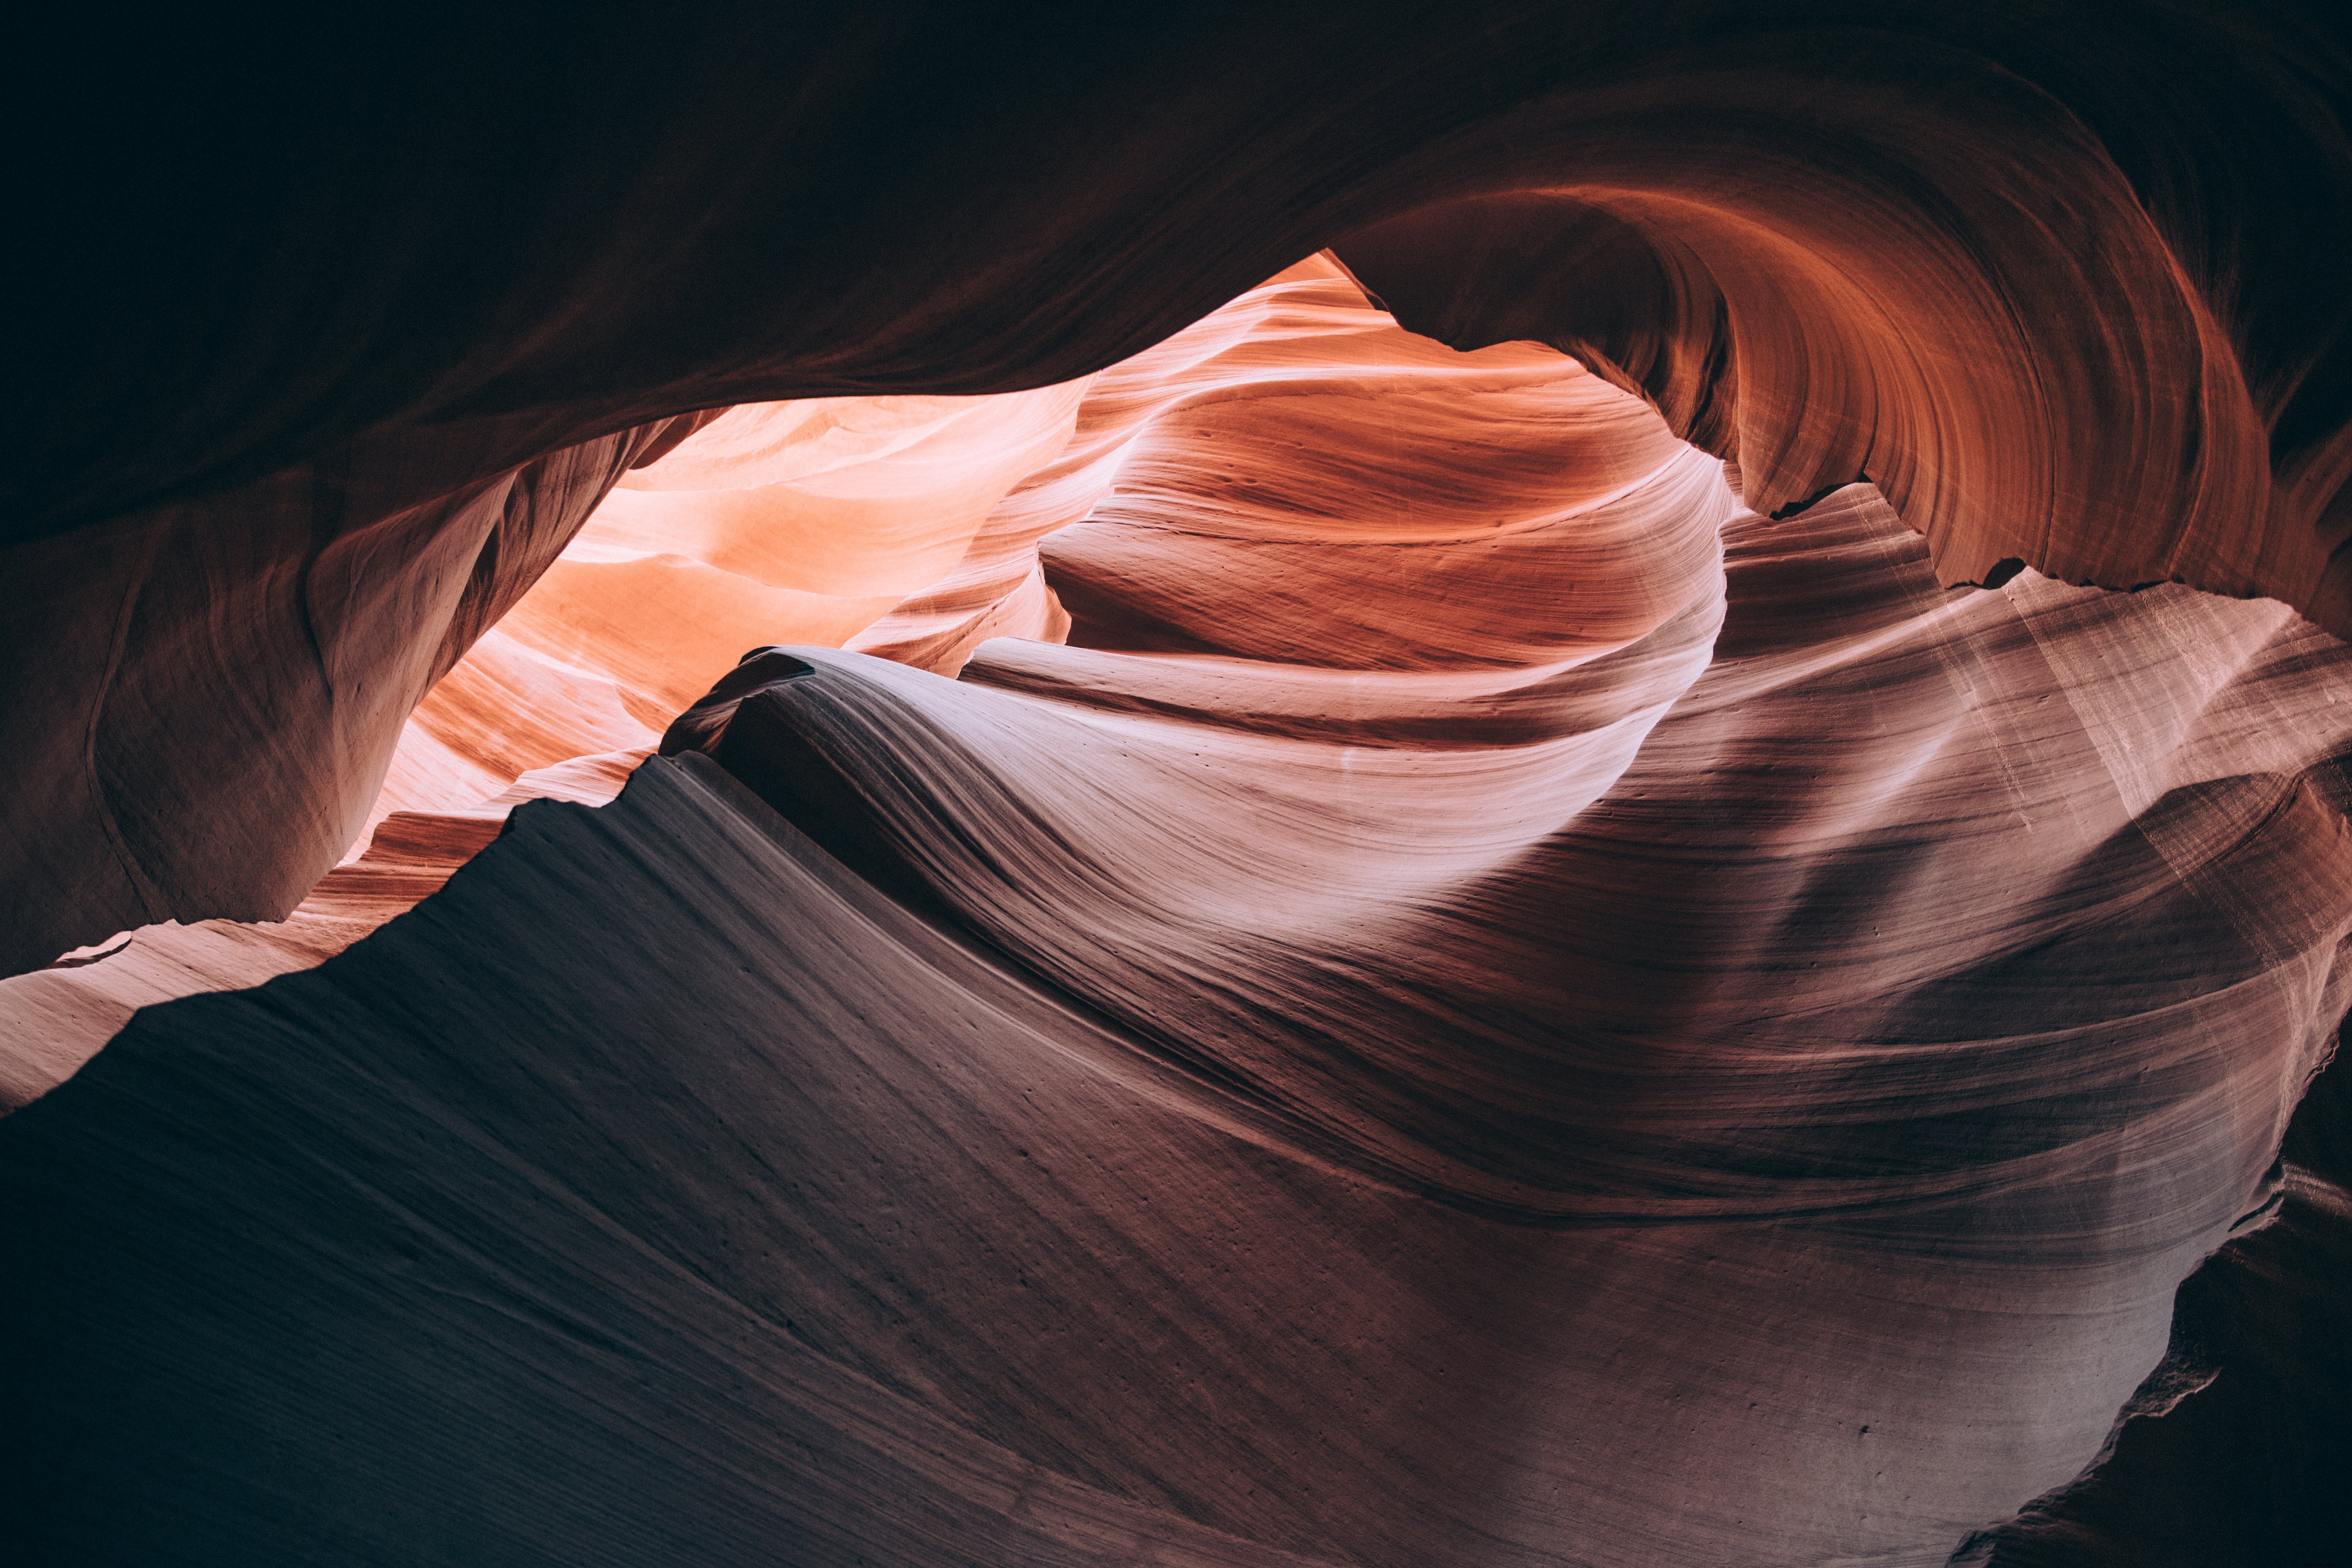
x: 929, y: 510
x: 208, y: 695
x: 1493, y: 1003
x: 2066, y: 292
x: 1507, y: 896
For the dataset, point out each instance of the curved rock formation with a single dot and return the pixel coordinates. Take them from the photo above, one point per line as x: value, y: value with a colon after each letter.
x: 2068, y: 293
x: 568, y: 693
x: 1564, y: 926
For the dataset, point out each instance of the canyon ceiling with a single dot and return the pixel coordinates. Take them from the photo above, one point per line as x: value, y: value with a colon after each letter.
x: 1514, y: 784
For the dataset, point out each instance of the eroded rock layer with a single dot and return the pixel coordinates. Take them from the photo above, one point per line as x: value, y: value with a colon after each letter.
x: 1563, y: 926
x: 1495, y: 1004
x: 2067, y: 291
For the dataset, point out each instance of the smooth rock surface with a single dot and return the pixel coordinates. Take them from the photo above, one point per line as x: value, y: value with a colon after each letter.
x: 1306, y: 938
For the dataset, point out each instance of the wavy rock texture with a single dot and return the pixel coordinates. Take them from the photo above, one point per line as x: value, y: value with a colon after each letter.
x: 56, y: 1018
x: 1497, y: 1005
x: 214, y: 691
x: 2068, y: 291
x: 1393, y: 966
x: 692, y: 554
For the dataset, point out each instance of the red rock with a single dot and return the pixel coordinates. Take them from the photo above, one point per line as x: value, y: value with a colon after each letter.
x: 1391, y: 964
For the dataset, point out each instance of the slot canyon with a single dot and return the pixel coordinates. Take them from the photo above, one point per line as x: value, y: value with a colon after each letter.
x: 1417, y: 785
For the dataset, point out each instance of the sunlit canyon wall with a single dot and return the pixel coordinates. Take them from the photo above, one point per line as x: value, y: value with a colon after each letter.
x: 1565, y: 787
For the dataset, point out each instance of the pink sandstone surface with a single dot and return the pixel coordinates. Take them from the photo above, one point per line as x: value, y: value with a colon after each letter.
x: 1559, y: 788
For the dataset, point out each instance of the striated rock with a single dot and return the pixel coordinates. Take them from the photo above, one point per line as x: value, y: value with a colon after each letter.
x: 56, y: 1018
x: 2066, y: 293
x: 1727, y: 1059
x: 209, y: 693
x: 692, y: 1199
x: 2231, y: 1449
x: 1512, y: 897
x: 803, y: 522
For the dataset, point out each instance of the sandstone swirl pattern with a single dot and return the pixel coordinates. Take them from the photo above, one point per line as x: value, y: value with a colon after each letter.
x: 1501, y: 1007
x: 1515, y: 894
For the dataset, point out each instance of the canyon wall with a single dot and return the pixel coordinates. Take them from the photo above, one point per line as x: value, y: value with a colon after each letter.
x: 1521, y: 892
